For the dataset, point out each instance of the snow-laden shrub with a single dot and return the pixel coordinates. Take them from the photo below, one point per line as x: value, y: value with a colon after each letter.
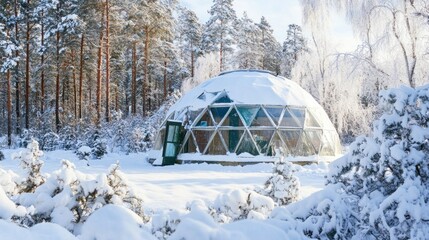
x: 239, y: 204
x: 30, y: 161
x: 389, y: 172
x: 98, y: 145
x: 164, y: 223
x: 8, y: 181
x: 139, y: 140
x: 380, y: 188
x: 69, y: 197
x: 68, y: 137
x: 83, y: 153
x: 282, y: 186
x: 49, y: 141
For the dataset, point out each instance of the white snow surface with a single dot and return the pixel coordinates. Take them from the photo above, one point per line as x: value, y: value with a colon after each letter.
x: 163, y: 189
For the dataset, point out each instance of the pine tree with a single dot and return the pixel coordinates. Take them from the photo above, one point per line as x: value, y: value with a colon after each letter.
x: 220, y: 31
x: 292, y: 47
x: 249, y: 53
x: 271, y: 49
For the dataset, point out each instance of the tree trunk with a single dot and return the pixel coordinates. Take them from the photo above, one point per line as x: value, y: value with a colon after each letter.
x: 42, y: 68
x: 57, y: 87
x: 17, y: 77
x: 134, y: 80
x: 107, y: 110
x: 99, y: 63
x: 165, y: 79
x: 145, y: 92
x: 74, y: 83
x: 192, y: 61
x: 9, y: 107
x: 81, y: 75
x: 27, y: 70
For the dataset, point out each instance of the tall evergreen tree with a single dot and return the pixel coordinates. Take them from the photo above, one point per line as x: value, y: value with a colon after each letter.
x: 220, y: 31
x: 271, y: 49
x: 249, y: 53
x: 294, y: 44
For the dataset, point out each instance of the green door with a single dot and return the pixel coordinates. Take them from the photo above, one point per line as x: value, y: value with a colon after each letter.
x: 173, y: 139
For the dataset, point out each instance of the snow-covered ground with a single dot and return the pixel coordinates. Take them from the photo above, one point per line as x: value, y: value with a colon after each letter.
x: 172, y: 187
x: 162, y: 188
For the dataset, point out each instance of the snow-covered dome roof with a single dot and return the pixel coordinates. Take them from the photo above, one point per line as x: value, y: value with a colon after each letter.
x: 247, y: 87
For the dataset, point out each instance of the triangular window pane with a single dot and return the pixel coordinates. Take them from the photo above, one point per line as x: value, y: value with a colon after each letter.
x: 248, y: 113
x: 219, y: 113
x: 299, y: 114
x: 310, y: 120
x: 261, y: 119
x: 277, y: 147
x: 190, y: 146
x: 224, y: 98
x: 216, y: 146
x: 305, y: 147
x: 247, y: 146
x: 233, y: 119
x: 202, y: 138
x: 315, y: 138
x: 291, y: 138
x: 262, y: 139
x: 327, y: 145
x: 205, y: 121
x: 232, y: 138
x: 288, y: 120
x: 275, y: 114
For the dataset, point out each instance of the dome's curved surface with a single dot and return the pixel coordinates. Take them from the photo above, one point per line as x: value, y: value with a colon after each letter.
x: 248, y: 113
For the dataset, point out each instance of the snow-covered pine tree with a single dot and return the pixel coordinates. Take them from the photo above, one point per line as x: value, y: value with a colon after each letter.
x: 388, y: 174
x: 271, y: 48
x: 30, y: 161
x: 98, y: 145
x: 282, y: 186
x: 121, y: 192
x: 1, y: 156
x: 220, y: 31
x: 294, y: 44
x: 249, y: 53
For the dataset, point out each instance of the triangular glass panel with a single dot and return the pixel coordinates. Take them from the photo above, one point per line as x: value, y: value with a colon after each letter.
x: 262, y: 139
x: 233, y: 119
x: 288, y: 120
x: 232, y: 138
x: 190, y: 146
x: 310, y: 120
x: 248, y: 113
x: 219, y: 113
x: 202, y: 138
x: 261, y: 119
x: 216, y: 146
x: 315, y: 137
x: 207, y: 96
x: 299, y: 114
x: 305, y: 148
x: 247, y: 146
x: 291, y: 138
x: 275, y: 114
x: 277, y: 147
x: 223, y: 98
x: 328, y: 144
x: 206, y: 120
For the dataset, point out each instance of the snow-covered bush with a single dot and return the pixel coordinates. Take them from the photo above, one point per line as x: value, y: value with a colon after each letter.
x: 49, y: 141
x: 389, y: 172
x: 380, y: 189
x: 239, y: 204
x: 83, y: 153
x: 68, y: 137
x: 30, y: 161
x: 8, y: 181
x: 68, y: 197
x: 282, y: 186
x: 138, y: 140
x: 165, y: 223
x: 98, y: 145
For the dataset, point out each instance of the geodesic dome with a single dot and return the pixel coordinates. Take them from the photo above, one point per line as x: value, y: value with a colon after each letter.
x: 248, y: 113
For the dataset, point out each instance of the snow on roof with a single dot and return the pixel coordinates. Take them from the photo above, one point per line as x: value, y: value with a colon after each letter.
x: 247, y: 87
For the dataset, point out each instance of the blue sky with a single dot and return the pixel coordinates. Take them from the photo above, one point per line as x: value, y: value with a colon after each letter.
x: 279, y: 13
